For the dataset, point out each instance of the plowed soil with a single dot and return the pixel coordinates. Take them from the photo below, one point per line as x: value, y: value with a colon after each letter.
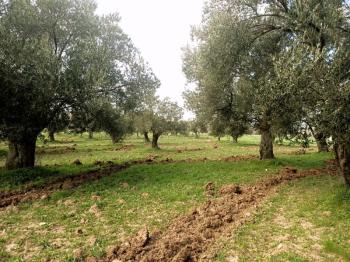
x: 190, y: 235
x: 106, y: 169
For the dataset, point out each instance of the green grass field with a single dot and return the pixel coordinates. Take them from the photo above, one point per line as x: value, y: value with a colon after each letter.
x: 306, y: 220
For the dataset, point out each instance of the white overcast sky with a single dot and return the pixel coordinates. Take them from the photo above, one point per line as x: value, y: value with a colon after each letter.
x: 159, y: 28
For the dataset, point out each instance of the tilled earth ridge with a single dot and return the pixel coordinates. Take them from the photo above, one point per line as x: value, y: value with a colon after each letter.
x: 44, y: 191
x: 190, y: 235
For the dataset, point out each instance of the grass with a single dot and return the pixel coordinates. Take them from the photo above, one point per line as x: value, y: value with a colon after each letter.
x: 56, y: 159
x: 105, y: 212
x: 309, y: 220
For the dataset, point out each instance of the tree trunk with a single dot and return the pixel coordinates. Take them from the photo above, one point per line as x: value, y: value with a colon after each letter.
x: 155, y: 138
x: 51, y: 136
x: 235, y: 139
x: 321, y: 142
x: 219, y: 138
x: 21, y: 153
x: 266, y: 144
x: 91, y: 135
x: 342, y: 152
x: 145, y: 135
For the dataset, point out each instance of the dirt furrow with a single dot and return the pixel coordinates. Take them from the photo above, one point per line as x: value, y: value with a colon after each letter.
x: 189, y: 236
x: 44, y: 191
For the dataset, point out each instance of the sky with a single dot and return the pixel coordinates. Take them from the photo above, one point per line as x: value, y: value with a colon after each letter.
x: 159, y: 29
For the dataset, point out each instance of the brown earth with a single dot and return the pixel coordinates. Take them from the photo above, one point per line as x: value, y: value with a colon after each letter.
x: 31, y: 193
x: 190, y: 235
x: 55, y: 150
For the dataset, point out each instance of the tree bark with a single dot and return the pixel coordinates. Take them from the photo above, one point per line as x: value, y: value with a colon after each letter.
x: 145, y: 135
x: 266, y: 144
x: 342, y: 153
x: 21, y: 153
x: 51, y: 136
x: 235, y: 139
x: 155, y: 138
x: 91, y: 135
x: 321, y: 141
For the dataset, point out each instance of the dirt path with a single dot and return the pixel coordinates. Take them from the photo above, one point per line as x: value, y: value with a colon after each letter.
x: 189, y: 236
x: 72, y: 181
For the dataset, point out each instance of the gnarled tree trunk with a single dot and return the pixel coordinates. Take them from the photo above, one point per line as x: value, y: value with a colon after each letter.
x: 342, y: 154
x: 21, y: 153
x: 321, y: 141
x: 234, y: 139
x: 266, y: 143
x: 51, y: 135
x: 145, y: 135
x: 155, y: 138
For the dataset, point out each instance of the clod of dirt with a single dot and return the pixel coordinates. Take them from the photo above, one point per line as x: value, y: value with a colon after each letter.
x: 209, y: 189
x: 96, y: 198
x: 237, y: 158
x: 77, y: 162
x: 91, y: 241
x: 98, y: 163
x: 43, y: 197
x: 78, y: 253
x: 67, y: 184
x: 141, y: 238
x: 95, y: 210
x: 230, y: 189
x: 91, y: 259
x: 125, y: 148
x: 128, y: 248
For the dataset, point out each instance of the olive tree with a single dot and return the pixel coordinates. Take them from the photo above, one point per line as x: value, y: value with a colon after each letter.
x: 57, y: 55
x: 165, y: 114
